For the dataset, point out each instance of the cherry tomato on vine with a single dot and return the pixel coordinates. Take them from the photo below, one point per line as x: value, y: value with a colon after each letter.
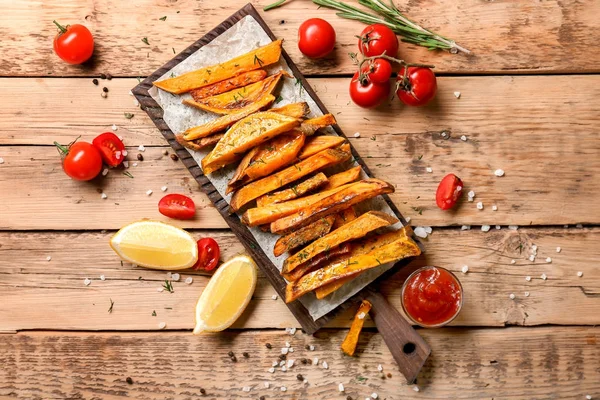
x: 208, y: 254
x: 376, y: 39
x: 378, y: 70
x: 110, y: 147
x: 316, y: 38
x: 419, y: 86
x: 448, y: 192
x: 177, y: 206
x: 73, y: 43
x: 367, y: 94
x: 80, y: 160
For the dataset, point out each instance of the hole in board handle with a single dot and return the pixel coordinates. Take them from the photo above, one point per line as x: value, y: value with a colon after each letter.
x: 409, y: 348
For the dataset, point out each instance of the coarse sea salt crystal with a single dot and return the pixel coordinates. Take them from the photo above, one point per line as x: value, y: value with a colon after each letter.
x: 325, y: 365
x: 420, y: 232
x: 588, y: 397
x: 480, y: 205
x: 102, y: 278
x: 164, y: 188
x: 465, y: 269
x: 548, y: 259
x: 49, y: 258
x: 485, y: 228
x: 125, y: 153
x: 159, y: 289
x: 499, y: 172
x: 374, y: 395
x: 315, y: 360
x: 513, y: 227
x: 526, y: 294
x: 429, y: 169
x: 288, y: 345
x: 126, y: 164
x: 148, y: 192
x: 246, y: 388
x: 1, y: 160
x: 290, y: 363
x: 114, y: 127
x: 141, y: 147
x: 103, y: 196
x: 311, y: 347
x: 528, y: 278
x: 281, y: 363
x: 162, y: 325
x: 356, y: 134
x: 284, y: 350
x: 274, y: 297
x: 416, y: 388
x: 361, y: 315
x: 291, y: 349
x: 104, y: 171
x: 513, y: 261
x: 558, y: 249
x: 380, y: 368
x: 471, y: 193
x: 444, y: 134
x: 407, y: 219
x: 498, y: 227
x: 465, y: 227
x: 283, y: 389
x: 457, y: 95
x: 428, y: 229
x: 175, y: 277
x: 512, y: 296
x: 341, y: 387
x: 189, y: 280
x: 494, y: 207
x: 579, y: 226
x: 275, y: 363
x: 580, y: 273
x: 463, y: 138
x: 544, y: 277
x: 87, y: 282
x: 532, y: 257
x: 134, y: 164
x: 272, y: 370
x: 267, y: 384
x: 283, y: 369
x: 293, y: 331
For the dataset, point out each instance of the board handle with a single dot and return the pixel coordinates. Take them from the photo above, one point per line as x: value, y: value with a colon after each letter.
x: 407, y: 347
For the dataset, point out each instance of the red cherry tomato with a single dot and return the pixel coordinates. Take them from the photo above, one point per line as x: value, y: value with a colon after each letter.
x: 73, y: 43
x: 316, y: 38
x: 376, y: 39
x: 208, y: 254
x: 448, y: 192
x: 80, y: 160
x: 378, y: 70
x: 177, y: 206
x: 111, y: 148
x: 368, y: 94
x: 418, y: 88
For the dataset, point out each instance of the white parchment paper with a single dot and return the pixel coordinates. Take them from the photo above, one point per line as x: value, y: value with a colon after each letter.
x: 241, y: 38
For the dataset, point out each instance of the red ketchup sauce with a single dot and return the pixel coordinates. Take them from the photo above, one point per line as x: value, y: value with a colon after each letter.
x: 432, y: 296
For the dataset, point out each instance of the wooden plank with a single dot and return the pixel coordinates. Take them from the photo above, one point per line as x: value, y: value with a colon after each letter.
x: 52, y: 295
x: 519, y: 36
x: 540, y: 363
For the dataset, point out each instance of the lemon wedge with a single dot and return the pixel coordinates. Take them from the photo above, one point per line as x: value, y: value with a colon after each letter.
x: 226, y: 296
x: 155, y: 245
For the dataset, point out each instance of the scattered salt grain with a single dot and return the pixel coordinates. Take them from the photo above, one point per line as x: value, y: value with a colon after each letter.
x: 513, y: 227
x: 465, y: 269
x: 162, y: 325
x: 548, y: 259
x: 105, y: 172
x: 544, y: 277
x: 588, y: 397
x: 311, y: 347
x: 164, y: 188
x: 281, y: 363
x: 136, y: 102
x: 283, y: 369
x: 288, y: 345
x: 126, y: 164
x: 480, y: 205
x: 494, y: 207
x: 579, y: 226
x: 407, y: 219
x: 283, y: 388
x: 315, y: 360
x: 293, y: 331
x: 104, y: 196
x: 498, y: 227
x: 274, y: 297
x: 290, y: 363
x: 444, y: 134
x: 558, y: 249
x: 356, y: 134
x: 271, y: 370
x: 471, y: 194
x: 532, y: 257
x: 361, y: 315
x: 465, y: 227
x: 305, y: 381
x: 284, y: 350
x: 267, y: 384
x: 499, y: 172
x: 275, y: 363
x: 374, y: 395
x: 416, y: 388
x: 125, y: 153
x: 341, y: 387
x: 485, y: 228
x: 513, y: 261
x: 420, y: 232
x: 114, y: 127
x: 1, y: 160
x: 291, y: 349
x: 429, y: 169
x: 512, y: 296
x: 528, y: 278
x: 526, y: 294
x: 175, y: 277
x: 102, y: 278
x: 87, y: 282
x: 380, y: 368
x: 534, y: 248
x: 580, y: 274
x: 120, y: 137
x: 134, y: 164
x: 428, y: 229
x: 246, y: 388
x: 463, y: 138
x: 169, y: 275
x: 189, y: 280
x: 141, y: 147
x: 159, y: 289
x: 48, y: 258
x: 325, y: 365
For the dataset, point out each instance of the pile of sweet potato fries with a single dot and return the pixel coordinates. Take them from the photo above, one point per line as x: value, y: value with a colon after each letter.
x: 283, y: 164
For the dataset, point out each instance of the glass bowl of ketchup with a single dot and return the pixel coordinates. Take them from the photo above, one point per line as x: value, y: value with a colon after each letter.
x: 432, y: 297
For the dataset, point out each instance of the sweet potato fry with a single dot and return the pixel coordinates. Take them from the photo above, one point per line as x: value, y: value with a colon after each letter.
x: 254, y: 190
x: 264, y: 215
x: 303, y: 235
x: 351, y: 340
x: 316, y: 144
x: 246, y: 134
x: 343, y: 217
x: 253, y: 60
x: 294, y: 192
x: 267, y: 158
x: 398, y: 249
x: 234, y: 100
x: 355, y: 193
x: 296, y: 110
x: 365, y: 246
x: 314, y: 124
x: 358, y: 228
x: 243, y: 79
x: 347, y: 176
x: 221, y: 123
x: 201, y: 143
x: 319, y: 261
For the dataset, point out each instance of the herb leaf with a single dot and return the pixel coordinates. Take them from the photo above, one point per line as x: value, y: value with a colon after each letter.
x: 163, y: 18
x: 128, y: 115
x: 168, y: 286
x: 112, y: 303
x: 127, y: 173
x: 145, y: 40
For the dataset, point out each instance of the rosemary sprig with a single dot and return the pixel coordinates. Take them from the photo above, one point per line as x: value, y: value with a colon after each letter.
x: 390, y: 16
x: 168, y: 286
x: 274, y: 5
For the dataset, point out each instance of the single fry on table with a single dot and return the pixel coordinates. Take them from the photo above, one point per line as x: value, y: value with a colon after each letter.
x: 351, y: 340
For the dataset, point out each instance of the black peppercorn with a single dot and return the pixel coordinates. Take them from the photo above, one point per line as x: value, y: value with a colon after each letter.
x: 245, y: 354
x: 174, y: 157
x: 105, y: 89
x: 304, y: 361
x: 307, y: 347
x: 108, y: 76
x: 348, y: 398
x: 300, y: 377
x: 102, y: 76
x: 230, y: 354
x: 269, y: 346
x: 140, y: 157
x: 282, y: 357
x: 261, y: 398
x: 95, y: 81
x: 202, y: 391
x: 129, y: 380
x: 234, y: 358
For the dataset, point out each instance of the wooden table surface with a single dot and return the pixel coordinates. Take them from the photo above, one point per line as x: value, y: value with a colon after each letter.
x: 529, y: 104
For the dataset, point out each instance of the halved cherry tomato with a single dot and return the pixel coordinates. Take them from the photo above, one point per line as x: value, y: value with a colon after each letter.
x: 418, y: 88
x: 73, y: 43
x: 368, y: 94
x: 111, y: 148
x: 316, y: 38
x: 208, y: 254
x: 376, y: 39
x: 448, y: 192
x: 378, y: 70
x: 80, y: 160
x: 177, y: 206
